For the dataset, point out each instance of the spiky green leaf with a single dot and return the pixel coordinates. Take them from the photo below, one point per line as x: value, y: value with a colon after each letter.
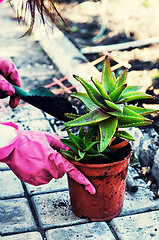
x: 117, y: 107
x: 107, y: 129
x: 131, y: 96
x: 76, y: 140
x: 114, y: 86
x: 121, y: 80
x: 90, y: 135
x: 94, y: 95
x: 117, y: 93
x: 69, y: 144
x: 101, y: 89
x: 124, y: 134
x: 90, y: 118
x: 68, y: 154
x: 84, y: 97
x: 127, y: 111
x: 72, y: 115
x: 90, y: 146
x: 81, y: 153
x: 129, y: 89
x: 81, y: 133
x: 128, y: 117
x: 142, y: 111
x: 136, y: 124
x: 107, y: 78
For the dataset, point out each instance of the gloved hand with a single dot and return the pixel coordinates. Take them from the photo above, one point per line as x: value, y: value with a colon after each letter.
x: 9, y: 74
x: 33, y: 158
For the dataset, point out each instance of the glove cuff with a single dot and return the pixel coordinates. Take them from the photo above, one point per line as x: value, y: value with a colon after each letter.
x: 6, y: 150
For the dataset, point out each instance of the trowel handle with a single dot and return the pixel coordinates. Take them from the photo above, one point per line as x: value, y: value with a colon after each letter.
x: 20, y: 92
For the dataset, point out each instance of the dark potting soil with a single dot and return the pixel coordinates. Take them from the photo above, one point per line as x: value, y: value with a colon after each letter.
x: 55, y: 106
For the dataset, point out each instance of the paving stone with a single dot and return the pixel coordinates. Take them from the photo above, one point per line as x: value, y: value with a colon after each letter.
x: 36, y: 125
x: 10, y: 185
x: 21, y: 113
x: 4, y: 166
x: 24, y: 236
x: 15, y: 216
x: 58, y: 125
x: 54, y: 210
x: 53, y: 186
x: 140, y: 201
x: 143, y: 226
x: 92, y: 231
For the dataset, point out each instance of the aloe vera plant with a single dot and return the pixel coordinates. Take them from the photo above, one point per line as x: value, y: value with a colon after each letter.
x: 83, y: 146
x: 109, y: 110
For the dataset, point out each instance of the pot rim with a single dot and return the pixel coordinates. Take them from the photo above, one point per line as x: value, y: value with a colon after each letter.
x: 88, y: 165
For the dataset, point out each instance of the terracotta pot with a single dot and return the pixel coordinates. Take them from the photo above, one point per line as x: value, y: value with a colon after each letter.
x: 109, y: 181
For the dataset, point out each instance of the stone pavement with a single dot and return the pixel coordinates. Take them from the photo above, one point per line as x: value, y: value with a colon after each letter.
x: 44, y: 213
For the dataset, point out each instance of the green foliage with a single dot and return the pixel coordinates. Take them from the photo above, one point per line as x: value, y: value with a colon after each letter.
x: 108, y: 111
x: 83, y: 146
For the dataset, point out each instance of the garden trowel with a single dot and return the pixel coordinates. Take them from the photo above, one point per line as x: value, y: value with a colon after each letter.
x: 47, y: 101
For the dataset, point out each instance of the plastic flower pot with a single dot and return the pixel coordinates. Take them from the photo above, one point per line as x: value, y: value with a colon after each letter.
x: 109, y: 181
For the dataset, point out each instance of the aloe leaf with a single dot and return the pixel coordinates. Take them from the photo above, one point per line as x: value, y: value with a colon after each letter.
x: 90, y: 135
x: 130, y: 112
x: 69, y: 144
x: 81, y: 153
x: 101, y: 89
x: 90, y: 146
x: 117, y: 107
x: 68, y: 154
x: 107, y: 129
x: 131, y: 89
x: 114, y: 86
x: 81, y: 133
x: 128, y: 116
x: 124, y: 134
x: 77, y: 159
x: 136, y: 124
x: 114, y: 77
x: 90, y: 118
x: 117, y: 92
x: 72, y: 115
x: 76, y: 140
x: 107, y: 78
x: 83, y: 143
x: 127, y: 97
x: 93, y: 94
x: 142, y: 111
x: 129, y: 119
x: 84, y: 97
x: 121, y: 80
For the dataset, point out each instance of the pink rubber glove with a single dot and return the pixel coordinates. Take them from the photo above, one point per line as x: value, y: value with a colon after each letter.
x: 9, y: 74
x: 32, y: 158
